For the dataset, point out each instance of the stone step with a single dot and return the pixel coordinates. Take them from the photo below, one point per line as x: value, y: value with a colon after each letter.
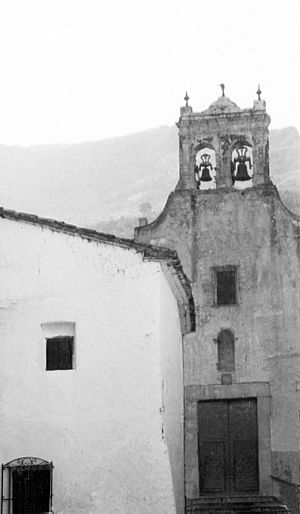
x: 235, y: 504
x: 205, y: 509
x: 223, y: 510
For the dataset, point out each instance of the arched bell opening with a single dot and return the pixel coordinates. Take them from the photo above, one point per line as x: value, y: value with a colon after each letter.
x: 205, y: 168
x: 241, y: 165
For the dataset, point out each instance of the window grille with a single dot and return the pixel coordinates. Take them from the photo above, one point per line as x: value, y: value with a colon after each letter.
x: 26, y: 485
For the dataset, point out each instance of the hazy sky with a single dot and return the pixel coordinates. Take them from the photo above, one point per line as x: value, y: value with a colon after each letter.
x: 77, y: 70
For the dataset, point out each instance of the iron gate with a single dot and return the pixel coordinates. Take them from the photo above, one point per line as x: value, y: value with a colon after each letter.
x: 26, y: 485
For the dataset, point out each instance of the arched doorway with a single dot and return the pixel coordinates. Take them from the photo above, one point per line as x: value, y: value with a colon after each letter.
x: 26, y: 486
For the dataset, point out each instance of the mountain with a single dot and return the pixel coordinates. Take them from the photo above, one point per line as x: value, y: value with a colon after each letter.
x: 108, y: 184
x: 285, y: 157
x: 87, y: 182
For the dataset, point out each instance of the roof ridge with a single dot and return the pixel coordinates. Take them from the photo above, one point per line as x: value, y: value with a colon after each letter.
x: 84, y: 232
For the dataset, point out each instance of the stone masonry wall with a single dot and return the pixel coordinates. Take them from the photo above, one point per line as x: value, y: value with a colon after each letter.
x: 253, y: 231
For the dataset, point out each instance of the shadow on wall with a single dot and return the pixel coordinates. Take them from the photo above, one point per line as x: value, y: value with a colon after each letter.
x: 289, y: 492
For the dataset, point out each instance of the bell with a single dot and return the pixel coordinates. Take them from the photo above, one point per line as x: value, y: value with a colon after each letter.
x: 242, y: 172
x: 205, y: 177
x: 205, y: 165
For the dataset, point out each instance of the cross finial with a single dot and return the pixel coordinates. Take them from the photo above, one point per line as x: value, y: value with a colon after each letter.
x: 186, y: 98
x: 258, y: 92
x: 222, y: 86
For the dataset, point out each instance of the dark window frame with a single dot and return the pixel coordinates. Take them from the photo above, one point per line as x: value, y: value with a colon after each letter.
x: 59, y: 353
x: 221, y: 295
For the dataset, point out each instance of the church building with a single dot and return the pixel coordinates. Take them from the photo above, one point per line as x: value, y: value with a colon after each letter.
x: 240, y: 248
x: 159, y: 375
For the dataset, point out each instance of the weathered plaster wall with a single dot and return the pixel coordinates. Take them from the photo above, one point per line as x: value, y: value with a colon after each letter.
x: 100, y: 423
x: 253, y: 231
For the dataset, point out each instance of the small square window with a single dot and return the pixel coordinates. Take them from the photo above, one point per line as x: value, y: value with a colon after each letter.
x: 226, y: 286
x: 59, y: 353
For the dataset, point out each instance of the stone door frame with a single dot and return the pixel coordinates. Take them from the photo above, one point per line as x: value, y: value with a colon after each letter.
x: 195, y: 393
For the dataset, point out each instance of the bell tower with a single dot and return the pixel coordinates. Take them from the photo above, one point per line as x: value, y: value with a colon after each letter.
x: 224, y: 145
x: 240, y: 250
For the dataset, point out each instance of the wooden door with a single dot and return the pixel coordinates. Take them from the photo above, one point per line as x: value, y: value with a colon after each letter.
x: 228, y: 454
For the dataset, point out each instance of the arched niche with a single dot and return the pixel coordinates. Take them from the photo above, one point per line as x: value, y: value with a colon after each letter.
x: 226, y: 351
x: 205, y: 166
x: 241, y: 164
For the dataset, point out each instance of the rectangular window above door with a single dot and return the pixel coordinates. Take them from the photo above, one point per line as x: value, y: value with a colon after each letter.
x: 225, y: 285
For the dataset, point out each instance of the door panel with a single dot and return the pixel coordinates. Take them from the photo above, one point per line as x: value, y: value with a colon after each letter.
x: 213, y: 446
x: 245, y: 466
x: 213, y: 466
x: 228, y: 455
x: 243, y: 445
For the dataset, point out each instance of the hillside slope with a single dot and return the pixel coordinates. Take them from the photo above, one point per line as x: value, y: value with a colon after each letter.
x: 88, y: 182
x: 101, y: 181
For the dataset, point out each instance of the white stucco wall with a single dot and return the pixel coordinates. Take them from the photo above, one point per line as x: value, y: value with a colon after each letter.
x: 100, y: 423
x: 172, y: 372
